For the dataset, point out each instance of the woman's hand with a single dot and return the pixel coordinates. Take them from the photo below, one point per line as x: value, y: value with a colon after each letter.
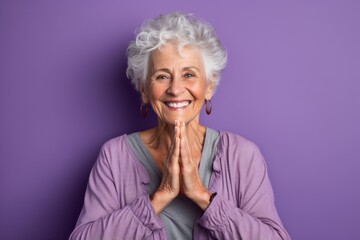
x: 181, y: 174
x: 191, y: 184
x: 170, y: 183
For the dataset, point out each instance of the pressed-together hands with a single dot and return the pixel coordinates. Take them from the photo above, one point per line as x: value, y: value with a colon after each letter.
x: 180, y: 175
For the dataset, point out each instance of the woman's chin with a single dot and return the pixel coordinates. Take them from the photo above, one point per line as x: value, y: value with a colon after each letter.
x: 170, y: 120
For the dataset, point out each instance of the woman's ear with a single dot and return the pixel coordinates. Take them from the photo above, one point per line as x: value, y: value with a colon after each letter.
x: 144, y: 96
x: 210, y: 88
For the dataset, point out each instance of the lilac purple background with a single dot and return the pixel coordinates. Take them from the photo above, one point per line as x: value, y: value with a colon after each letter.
x: 291, y: 85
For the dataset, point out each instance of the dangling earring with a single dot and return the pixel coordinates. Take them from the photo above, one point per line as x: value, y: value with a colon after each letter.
x: 208, y: 106
x: 142, y: 112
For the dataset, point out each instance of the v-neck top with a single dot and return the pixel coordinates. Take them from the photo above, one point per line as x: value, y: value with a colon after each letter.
x: 180, y: 215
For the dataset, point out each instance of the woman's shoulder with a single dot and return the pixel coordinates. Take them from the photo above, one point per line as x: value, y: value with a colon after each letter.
x: 236, y: 141
x: 239, y: 151
x: 118, y: 145
x: 115, y: 142
x: 116, y: 150
x: 117, y: 155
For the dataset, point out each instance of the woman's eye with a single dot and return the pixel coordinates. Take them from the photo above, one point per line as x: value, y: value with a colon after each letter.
x: 162, y: 77
x: 189, y: 75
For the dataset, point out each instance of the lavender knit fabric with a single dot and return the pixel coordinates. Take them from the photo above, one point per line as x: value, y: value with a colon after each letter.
x: 117, y: 204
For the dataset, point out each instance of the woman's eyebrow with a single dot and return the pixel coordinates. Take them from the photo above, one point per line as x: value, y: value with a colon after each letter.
x: 183, y: 69
x: 191, y: 68
x: 162, y: 70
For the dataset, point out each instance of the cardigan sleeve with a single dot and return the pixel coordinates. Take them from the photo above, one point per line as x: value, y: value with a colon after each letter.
x: 253, y: 215
x: 103, y: 217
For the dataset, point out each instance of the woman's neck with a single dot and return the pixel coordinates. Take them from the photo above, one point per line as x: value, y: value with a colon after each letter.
x: 160, y: 137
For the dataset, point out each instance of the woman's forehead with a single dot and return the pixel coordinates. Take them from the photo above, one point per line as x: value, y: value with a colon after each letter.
x: 169, y: 54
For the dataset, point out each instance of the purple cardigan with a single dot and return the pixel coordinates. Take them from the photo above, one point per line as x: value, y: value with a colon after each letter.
x: 117, y: 205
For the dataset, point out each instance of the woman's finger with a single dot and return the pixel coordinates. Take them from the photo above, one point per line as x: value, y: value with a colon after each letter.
x: 184, y: 146
x: 172, y: 168
x: 174, y: 143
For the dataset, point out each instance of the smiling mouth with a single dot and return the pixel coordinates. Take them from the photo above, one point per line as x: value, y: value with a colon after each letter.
x: 178, y: 105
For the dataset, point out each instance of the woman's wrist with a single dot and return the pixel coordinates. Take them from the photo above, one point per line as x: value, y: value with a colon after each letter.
x: 203, y: 200
x: 160, y: 201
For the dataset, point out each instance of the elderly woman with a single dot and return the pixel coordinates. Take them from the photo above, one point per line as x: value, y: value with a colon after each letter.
x: 179, y: 180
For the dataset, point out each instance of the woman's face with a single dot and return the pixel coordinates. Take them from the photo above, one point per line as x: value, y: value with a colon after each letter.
x: 177, y: 86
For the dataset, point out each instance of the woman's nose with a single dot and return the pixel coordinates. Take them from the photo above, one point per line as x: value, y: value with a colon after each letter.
x: 176, y: 86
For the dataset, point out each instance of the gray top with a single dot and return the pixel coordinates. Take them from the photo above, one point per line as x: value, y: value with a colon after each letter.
x: 180, y: 215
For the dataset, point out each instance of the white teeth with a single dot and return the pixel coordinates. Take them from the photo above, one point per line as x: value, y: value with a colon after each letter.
x: 178, y: 105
